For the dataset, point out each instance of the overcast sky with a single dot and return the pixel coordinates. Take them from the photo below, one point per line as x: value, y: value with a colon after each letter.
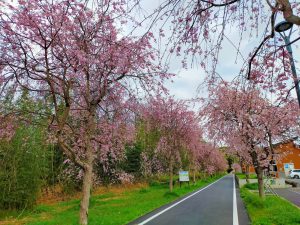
x: 186, y: 82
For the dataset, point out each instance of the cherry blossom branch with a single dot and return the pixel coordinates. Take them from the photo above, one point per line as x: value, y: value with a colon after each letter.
x: 71, y: 154
x: 271, y: 35
x: 271, y: 6
x: 220, y: 4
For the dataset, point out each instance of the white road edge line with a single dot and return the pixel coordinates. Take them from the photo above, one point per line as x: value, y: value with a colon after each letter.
x: 235, y: 212
x: 166, y: 209
x: 295, y: 192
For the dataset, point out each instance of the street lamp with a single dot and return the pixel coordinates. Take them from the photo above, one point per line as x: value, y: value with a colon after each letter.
x: 281, y: 28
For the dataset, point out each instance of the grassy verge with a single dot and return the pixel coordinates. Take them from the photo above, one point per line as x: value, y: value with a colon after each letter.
x: 112, y: 207
x: 270, y: 211
x: 243, y: 176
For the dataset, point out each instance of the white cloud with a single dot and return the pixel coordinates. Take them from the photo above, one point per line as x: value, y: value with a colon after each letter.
x: 185, y: 84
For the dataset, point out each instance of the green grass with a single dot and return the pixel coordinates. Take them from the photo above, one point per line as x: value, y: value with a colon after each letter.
x: 109, y: 208
x: 251, y: 186
x: 243, y: 176
x: 270, y: 211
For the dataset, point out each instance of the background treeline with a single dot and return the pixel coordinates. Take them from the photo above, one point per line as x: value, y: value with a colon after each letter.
x: 31, y: 164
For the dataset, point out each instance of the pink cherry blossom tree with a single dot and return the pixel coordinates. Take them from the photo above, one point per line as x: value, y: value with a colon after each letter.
x: 236, y: 167
x: 248, y: 123
x: 77, y: 60
x: 208, y: 158
x: 177, y: 126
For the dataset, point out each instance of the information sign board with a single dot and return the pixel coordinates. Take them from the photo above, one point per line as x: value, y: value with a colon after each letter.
x: 184, y: 176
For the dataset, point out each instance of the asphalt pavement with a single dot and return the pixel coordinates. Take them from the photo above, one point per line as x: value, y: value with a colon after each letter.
x: 216, y: 204
x: 290, y: 194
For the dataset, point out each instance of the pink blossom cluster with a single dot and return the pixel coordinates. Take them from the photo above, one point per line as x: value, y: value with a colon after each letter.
x: 208, y: 158
x: 151, y: 164
x: 174, y: 122
x: 179, y: 133
x: 236, y: 167
x: 247, y: 122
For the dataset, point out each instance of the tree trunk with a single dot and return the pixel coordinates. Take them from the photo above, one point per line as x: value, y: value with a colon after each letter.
x: 86, y: 193
x: 194, y: 176
x: 171, y: 174
x: 88, y: 171
x: 247, y: 174
x: 259, y: 173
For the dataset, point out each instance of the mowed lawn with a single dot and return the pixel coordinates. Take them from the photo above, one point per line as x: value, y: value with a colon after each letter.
x: 272, y: 210
x: 115, y: 206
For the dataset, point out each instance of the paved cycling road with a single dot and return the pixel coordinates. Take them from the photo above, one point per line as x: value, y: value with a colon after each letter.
x: 216, y: 204
x: 290, y: 194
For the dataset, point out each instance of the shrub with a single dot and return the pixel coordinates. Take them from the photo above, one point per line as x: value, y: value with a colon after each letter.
x: 132, y: 163
x: 154, y: 183
x: 251, y: 186
x: 22, y: 163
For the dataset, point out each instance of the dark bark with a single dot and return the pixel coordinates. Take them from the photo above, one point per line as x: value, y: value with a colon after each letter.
x: 86, y: 193
x: 88, y: 169
x: 171, y: 174
x: 259, y: 172
x: 194, y: 175
x: 261, y: 190
x: 247, y: 174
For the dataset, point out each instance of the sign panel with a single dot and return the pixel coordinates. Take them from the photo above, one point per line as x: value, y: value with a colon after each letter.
x: 184, y: 176
x: 288, y: 167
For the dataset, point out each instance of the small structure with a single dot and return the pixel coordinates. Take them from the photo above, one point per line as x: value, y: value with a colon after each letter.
x: 285, y: 158
x: 287, y: 154
x: 184, y: 177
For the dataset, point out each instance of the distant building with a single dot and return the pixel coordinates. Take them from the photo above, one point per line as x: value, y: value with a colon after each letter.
x: 286, y: 157
x: 288, y: 154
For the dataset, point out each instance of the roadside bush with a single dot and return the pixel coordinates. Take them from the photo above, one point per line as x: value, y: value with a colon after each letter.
x: 56, y: 166
x: 107, y: 171
x: 154, y: 183
x: 132, y: 162
x: 251, y: 186
x: 243, y: 175
x: 70, y: 177
x: 22, y: 163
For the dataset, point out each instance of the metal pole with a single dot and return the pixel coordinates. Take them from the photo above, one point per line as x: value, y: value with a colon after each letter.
x: 293, y: 67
